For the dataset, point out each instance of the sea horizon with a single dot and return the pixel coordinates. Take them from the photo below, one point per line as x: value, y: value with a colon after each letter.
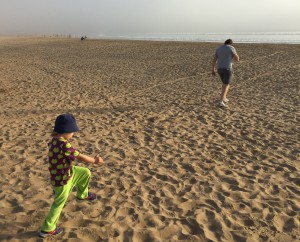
x: 251, y: 37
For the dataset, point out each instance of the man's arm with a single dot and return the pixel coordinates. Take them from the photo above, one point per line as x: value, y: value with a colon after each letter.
x: 236, y: 57
x: 213, y: 65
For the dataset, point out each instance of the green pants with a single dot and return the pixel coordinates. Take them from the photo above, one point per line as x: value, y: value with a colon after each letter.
x: 81, y: 178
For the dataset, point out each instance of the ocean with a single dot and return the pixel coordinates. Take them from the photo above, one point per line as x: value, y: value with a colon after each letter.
x: 275, y: 38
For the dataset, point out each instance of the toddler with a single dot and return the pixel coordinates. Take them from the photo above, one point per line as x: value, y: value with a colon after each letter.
x: 64, y: 175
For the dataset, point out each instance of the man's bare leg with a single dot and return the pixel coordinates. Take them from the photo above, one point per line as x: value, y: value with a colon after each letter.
x: 225, y: 88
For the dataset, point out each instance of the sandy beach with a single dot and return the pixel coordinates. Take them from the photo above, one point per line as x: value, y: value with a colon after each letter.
x: 178, y: 167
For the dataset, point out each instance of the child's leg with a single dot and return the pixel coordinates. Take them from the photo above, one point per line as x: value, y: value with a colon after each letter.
x: 81, y: 179
x: 61, y: 195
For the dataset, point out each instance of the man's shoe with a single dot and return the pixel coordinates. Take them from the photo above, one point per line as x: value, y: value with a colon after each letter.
x: 57, y: 231
x: 222, y: 104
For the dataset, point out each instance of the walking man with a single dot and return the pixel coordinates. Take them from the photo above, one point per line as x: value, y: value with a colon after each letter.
x: 223, y: 58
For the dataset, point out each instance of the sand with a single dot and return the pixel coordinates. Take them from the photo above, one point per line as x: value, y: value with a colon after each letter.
x: 178, y: 167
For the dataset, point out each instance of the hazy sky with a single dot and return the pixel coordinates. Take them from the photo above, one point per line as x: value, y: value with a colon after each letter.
x: 117, y: 17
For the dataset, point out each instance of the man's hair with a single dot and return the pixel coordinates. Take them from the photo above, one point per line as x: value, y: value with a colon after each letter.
x: 228, y: 42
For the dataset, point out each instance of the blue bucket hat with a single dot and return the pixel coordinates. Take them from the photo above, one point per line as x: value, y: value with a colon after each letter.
x: 65, y: 123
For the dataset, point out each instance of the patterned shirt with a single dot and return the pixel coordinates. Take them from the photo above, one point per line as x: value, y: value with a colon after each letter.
x: 61, y: 155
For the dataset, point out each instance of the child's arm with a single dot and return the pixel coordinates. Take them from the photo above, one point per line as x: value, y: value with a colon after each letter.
x: 96, y: 160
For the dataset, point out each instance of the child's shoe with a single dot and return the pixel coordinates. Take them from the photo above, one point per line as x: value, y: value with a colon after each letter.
x: 90, y: 197
x: 57, y: 231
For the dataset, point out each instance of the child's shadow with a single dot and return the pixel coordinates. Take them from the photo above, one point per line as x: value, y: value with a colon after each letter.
x: 23, y: 236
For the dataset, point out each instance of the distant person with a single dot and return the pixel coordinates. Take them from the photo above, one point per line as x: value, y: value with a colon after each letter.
x: 223, y: 58
x: 64, y: 175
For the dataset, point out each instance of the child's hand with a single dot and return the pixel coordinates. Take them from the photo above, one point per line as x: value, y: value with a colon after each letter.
x: 98, y: 160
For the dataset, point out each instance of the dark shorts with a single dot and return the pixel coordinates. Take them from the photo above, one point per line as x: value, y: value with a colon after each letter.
x: 225, y: 75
